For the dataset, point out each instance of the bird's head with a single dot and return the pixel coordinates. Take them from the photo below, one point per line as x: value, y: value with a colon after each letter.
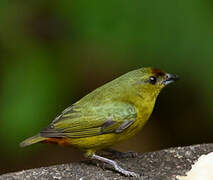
x: 151, y: 80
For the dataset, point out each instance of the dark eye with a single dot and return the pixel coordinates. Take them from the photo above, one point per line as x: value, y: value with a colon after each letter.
x: 152, y: 80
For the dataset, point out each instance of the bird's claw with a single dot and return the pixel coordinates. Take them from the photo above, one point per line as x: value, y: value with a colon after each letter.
x: 129, y: 154
x: 128, y: 173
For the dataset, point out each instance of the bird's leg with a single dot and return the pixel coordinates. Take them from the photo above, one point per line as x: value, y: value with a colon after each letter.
x: 119, y: 155
x: 115, y: 166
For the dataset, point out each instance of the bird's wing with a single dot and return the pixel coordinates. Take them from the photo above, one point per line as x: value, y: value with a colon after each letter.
x: 76, y: 122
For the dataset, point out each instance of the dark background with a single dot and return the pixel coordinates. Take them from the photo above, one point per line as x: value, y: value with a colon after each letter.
x: 54, y: 52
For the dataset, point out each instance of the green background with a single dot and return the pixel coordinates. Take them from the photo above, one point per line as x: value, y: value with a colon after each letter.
x: 54, y: 52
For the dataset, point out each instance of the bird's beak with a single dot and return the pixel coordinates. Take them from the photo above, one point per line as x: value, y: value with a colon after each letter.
x: 170, y: 78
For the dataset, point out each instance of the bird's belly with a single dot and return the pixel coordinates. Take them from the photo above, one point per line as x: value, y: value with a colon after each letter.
x: 94, y: 142
x: 132, y: 130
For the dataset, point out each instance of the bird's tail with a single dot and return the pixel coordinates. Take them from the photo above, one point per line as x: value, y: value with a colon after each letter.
x: 32, y: 140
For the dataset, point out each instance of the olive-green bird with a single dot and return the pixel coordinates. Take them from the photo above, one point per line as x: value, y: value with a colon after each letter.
x: 108, y: 115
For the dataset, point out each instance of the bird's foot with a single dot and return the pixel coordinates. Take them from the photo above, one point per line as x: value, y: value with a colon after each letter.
x: 121, y: 155
x: 129, y: 154
x: 127, y: 173
x: 115, y: 166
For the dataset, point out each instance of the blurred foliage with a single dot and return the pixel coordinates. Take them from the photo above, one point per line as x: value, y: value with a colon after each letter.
x: 54, y: 52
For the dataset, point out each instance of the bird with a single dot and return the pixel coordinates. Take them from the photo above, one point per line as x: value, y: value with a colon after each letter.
x: 108, y: 115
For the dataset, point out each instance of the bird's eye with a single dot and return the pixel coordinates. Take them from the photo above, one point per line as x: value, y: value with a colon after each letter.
x: 152, y: 80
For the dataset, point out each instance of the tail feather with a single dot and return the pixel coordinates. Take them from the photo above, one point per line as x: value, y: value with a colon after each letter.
x: 32, y: 140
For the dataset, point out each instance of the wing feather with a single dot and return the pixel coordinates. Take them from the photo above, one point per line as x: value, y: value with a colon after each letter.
x: 77, y: 122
